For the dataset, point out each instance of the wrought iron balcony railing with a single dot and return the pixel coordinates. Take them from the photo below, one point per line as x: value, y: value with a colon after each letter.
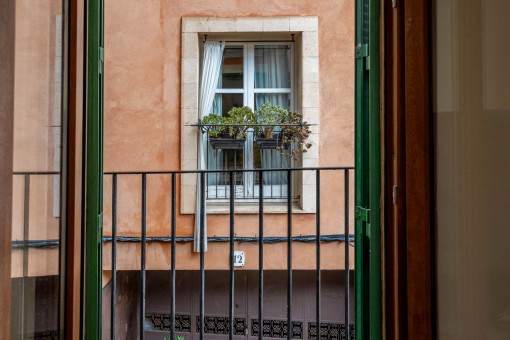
x: 342, y: 236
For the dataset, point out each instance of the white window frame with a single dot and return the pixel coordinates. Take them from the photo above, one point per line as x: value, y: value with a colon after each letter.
x: 247, y: 190
x: 306, y: 56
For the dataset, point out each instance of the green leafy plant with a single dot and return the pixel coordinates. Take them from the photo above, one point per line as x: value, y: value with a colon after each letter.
x: 297, y: 134
x: 176, y: 337
x: 239, y: 116
x: 214, y: 119
x: 270, y: 114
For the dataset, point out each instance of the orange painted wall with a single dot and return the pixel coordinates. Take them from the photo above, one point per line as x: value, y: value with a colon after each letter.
x: 35, y: 107
x: 142, y: 128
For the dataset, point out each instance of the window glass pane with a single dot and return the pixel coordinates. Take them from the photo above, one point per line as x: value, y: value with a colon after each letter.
x: 232, y: 68
x: 282, y: 99
x: 224, y: 159
x: 271, y: 159
x: 272, y: 66
x: 35, y: 274
x: 223, y: 102
x: 471, y: 115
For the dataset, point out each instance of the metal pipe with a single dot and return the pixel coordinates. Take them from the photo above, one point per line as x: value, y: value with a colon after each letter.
x: 241, y: 239
x: 114, y: 255
x: 172, y: 263
x: 142, y: 271
x: 232, y: 235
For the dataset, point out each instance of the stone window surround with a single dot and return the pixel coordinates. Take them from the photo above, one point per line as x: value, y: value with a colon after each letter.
x: 307, y: 91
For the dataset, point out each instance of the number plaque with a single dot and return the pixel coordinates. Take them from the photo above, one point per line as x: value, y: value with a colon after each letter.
x: 238, y: 258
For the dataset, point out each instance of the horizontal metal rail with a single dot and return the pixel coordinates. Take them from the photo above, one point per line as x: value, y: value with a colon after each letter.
x: 250, y: 125
x: 168, y: 172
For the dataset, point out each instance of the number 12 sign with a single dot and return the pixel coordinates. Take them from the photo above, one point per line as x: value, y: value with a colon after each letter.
x: 238, y: 258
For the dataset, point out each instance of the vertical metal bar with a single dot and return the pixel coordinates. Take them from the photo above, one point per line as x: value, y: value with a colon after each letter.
x: 318, y: 252
x: 172, y: 269
x: 218, y: 175
x: 202, y: 244
x: 142, y: 271
x: 114, y: 254
x: 281, y: 176
x: 289, y: 257
x: 271, y: 173
x: 231, y: 297
x: 346, y: 231
x: 261, y: 254
x: 26, y: 223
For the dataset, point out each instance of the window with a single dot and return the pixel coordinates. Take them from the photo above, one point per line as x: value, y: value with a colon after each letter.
x: 304, y: 96
x: 252, y: 74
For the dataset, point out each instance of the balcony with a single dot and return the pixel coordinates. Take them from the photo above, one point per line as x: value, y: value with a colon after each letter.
x: 282, y: 268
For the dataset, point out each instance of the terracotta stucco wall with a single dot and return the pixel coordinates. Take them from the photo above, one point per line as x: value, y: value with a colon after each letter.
x: 143, y: 127
x: 35, y: 126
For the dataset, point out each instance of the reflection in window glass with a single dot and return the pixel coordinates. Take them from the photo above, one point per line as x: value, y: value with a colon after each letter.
x: 232, y: 68
x: 35, y: 273
x: 223, y: 102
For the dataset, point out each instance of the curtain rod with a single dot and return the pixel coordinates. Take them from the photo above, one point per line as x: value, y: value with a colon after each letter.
x: 253, y: 41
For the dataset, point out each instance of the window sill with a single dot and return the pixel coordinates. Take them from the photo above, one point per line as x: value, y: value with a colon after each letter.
x: 253, y: 208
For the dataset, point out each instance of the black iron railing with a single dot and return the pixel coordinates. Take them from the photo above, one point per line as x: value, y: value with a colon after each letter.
x: 26, y: 243
x: 318, y: 238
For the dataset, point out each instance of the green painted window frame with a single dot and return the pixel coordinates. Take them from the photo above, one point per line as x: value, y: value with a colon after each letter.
x: 368, y: 278
x: 93, y: 174
x: 367, y: 159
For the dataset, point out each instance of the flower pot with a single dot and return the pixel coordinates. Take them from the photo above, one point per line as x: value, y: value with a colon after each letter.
x: 270, y: 143
x: 227, y: 143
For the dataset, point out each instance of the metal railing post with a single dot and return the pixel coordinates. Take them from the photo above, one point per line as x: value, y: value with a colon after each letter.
x: 289, y: 256
x: 346, y: 245
x: 114, y: 255
x: 143, y: 241
x: 261, y: 255
x: 318, y: 252
x: 202, y: 244
x: 232, y: 235
x: 172, y: 269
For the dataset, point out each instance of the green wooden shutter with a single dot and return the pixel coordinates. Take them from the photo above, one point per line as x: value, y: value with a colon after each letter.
x: 368, y: 171
x: 93, y: 173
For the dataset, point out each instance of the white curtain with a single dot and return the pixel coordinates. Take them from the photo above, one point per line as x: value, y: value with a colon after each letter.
x: 211, y: 66
x: 272, y: 70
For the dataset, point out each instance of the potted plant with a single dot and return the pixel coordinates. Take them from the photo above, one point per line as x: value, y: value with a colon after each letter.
x: 176, y: 337
x: 229, y: 132
x: 273, y: 116
x: 297, y: 132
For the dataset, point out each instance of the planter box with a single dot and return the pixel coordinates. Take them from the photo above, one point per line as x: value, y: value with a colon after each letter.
x: 270, y: 143
x: 227, y: 143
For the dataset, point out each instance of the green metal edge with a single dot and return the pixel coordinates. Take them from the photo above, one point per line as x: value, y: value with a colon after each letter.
x: 93, y: 173
x: 375, y: 294
x: 368, y: 284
